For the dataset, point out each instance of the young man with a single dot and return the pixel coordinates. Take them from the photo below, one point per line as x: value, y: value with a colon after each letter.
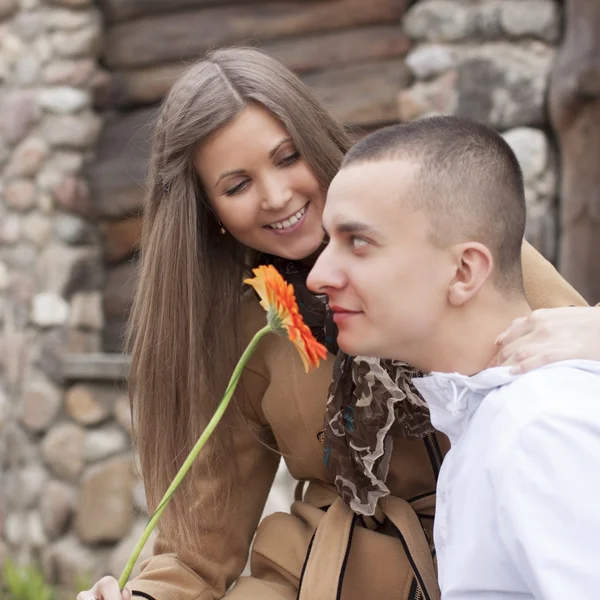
x: 423, y: 265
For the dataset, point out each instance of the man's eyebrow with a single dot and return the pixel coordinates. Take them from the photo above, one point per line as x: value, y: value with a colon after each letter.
x: 352, y: 227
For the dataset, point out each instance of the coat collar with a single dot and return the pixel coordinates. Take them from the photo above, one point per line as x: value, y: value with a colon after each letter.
x: 452, y: 398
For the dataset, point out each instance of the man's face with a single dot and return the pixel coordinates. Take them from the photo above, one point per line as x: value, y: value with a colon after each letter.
x: 386, y: 281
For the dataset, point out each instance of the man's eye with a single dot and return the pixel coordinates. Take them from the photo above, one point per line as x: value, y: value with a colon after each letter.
x: 358, y: 242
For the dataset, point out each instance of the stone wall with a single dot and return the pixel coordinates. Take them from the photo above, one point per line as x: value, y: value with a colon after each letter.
x: 51, y: 275
x: 79, y: 86
x: 490, y: 60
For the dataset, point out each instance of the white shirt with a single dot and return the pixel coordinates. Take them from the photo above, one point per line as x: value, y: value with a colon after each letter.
x: 518, y: 496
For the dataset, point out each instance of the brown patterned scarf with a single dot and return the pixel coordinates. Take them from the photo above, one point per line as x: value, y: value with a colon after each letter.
x: 370, y: 402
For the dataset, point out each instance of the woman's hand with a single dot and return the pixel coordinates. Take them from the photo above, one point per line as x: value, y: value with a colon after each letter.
x: 105, y: 589
x: 549, y: 335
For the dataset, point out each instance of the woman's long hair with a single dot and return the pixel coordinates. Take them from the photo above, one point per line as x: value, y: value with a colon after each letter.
x: 184, y: 332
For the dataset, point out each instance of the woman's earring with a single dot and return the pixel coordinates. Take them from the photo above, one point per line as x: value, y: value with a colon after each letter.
x: 222, y: 229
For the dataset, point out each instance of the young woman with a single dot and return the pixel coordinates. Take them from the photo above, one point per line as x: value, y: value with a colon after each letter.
x: 242, y: 157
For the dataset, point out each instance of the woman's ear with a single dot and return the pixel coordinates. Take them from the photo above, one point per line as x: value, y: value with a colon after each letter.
x: 474, y: 265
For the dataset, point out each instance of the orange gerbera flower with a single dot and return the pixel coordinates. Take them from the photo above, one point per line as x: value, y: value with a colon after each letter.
x: 278, y: 299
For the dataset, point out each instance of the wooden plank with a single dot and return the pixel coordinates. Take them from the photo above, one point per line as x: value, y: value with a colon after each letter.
x: 124, y: 10
x: 183, y: 35
x: 364, y: 94
x: 117, y: 174
x: 312, y: 52
x: 574, y: 97
x: 95, y: 367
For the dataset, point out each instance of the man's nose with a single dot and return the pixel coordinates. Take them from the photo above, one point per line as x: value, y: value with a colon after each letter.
x: 326, y: 275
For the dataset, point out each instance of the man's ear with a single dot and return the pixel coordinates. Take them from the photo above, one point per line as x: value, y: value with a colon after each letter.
x: 474, y: 265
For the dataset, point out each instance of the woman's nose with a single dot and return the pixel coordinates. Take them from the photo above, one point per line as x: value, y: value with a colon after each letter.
x: 276, y: 194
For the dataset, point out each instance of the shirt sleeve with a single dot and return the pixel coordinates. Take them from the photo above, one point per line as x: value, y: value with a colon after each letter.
x: 548, y: 494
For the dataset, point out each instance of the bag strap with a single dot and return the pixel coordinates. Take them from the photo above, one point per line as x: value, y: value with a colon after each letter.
x: 410, y: 532
x: 323, y: 572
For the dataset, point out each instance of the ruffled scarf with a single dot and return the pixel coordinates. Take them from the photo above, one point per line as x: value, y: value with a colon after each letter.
x: 370, y: 401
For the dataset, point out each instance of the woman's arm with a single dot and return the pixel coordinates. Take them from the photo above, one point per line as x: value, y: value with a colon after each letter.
x: 548, y: 336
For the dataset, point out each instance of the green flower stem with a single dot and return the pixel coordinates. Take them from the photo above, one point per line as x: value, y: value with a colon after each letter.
x: 237, y: 373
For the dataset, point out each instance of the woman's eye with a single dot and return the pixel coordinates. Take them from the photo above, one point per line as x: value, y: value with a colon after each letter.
x: 289, y: 159
x: 358, y: 243
x: 236, y: 189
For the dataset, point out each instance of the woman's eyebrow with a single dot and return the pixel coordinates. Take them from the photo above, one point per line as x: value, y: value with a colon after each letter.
x: 281, y: 143
x: 227, y: 173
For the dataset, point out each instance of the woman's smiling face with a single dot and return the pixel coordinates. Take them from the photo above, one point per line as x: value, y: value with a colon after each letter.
x: 259, y: 186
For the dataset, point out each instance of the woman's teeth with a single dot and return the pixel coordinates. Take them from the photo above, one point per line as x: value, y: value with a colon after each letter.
x: 289, y: 222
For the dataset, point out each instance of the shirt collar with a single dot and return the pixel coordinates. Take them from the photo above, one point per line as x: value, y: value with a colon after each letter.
x: 452, y: 398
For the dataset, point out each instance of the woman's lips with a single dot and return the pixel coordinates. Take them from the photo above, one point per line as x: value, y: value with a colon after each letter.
x: 293, y: 227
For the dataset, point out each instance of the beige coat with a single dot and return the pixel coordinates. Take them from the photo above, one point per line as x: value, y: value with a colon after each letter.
x: 347, y: 560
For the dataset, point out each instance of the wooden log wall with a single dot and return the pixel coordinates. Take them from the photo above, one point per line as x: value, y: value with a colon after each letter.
x: 350, y: 51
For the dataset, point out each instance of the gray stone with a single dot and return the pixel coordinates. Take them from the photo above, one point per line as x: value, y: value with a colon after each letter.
x: 62, y: 449
x: 63, y: 269
x: 72, y: 229
x: 426, y: 98
x: 439, y: 21
x: 40, y: 406
x: 4, y: 152
x: 532, y: 149
x: 49, y: 310
x: 104, y: 510
x: 28, y: 69
x: 504, y: 85
x: 76, y: 44
x: 20, y: 195
x: 24, y: 486
x: 28, y: 25
x: 66, y: 19
x: 15, y: 528
x: 57, y: 504
x: 37, y: 229
x: 67, y: 559
x: 120, y: 555
x: 63, y: 100
x: 21, y: 257
x: 20, y: 450
x: 28, y: 158
x: 45, y: 203
x: 18, y: 112
x: 531, y: 18
x: 104, y: 442
x: 430, y: 60
x: 73, y: 3
x: 89, y: 403
x: 139, y: 497
x: 70, y: 131
x: 69, y: 72
x: 83, y: 342
x: 11, y: 226
x: 36, y: 538
x: 65, y: 162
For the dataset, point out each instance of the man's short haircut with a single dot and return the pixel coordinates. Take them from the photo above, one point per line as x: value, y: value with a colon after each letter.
x: 469, y: 183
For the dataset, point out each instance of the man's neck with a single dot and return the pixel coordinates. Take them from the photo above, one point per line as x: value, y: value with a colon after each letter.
x: 466, y: 340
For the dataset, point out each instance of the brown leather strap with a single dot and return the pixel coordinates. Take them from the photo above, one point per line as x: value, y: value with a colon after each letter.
x: 324, y: 568
x: 399, y: 512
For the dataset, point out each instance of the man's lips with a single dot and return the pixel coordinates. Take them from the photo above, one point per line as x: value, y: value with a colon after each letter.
x: 341, y: 314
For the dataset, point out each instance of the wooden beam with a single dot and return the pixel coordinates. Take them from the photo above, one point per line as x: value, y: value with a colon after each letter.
x: 189, y: 34
x: 95, y: 367
x: 574, y: 101
x: 301, y: 54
